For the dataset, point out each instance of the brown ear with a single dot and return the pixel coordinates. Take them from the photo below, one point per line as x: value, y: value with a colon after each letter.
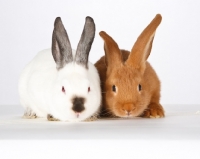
x: 142, y: 47
x: 113, y: 54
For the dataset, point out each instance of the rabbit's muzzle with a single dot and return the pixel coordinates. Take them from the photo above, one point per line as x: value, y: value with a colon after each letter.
x: 78, y: 105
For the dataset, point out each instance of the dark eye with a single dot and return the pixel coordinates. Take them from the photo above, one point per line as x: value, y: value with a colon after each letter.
x: 63, y: 89
x: 88, y: 89
x: 139, y: 87
x: 113, y: 88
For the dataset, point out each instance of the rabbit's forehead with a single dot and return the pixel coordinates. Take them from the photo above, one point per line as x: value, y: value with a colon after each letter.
x: 72, y: 71
x: 75, y: 80
x: 126, y: 75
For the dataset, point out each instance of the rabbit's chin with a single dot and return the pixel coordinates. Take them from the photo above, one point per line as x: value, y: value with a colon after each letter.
x: 127, y: 114
x: 71, y: 116
x: 75, y: 118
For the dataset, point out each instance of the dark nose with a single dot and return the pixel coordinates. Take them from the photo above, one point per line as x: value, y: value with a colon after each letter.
x: 78, y: 104
x: 128, y: 113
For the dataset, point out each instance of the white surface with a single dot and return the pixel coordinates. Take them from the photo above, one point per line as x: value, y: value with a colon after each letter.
x: 180, y: 123
x: 26, y: 28
x: 175, y: 136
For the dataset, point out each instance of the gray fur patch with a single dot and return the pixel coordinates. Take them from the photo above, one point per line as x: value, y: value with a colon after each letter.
x: 85, y: 43
x: 61, y: 47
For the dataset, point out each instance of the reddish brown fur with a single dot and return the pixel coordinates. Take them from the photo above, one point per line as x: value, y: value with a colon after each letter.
x: 126, y: 71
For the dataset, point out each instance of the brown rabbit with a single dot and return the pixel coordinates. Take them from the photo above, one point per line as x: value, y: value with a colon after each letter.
x: 130, y: 86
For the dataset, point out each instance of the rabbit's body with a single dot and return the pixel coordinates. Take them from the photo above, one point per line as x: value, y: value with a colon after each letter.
x: 149, y: 81
x: 68, y: 91
x: 130, y: 86
x: 38, y: 79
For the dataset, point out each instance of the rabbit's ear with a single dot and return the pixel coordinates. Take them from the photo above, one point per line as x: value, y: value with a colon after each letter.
x: 61, y: 47
x: 112, y: 52
x: 85, y: 42
x: 142, y: 47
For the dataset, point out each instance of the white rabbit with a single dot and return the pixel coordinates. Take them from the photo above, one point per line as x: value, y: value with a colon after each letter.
x: 65, y: 86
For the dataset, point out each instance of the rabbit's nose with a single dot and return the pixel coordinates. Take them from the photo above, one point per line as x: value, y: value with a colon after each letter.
x: 128, y: 112
x: 78, y: 104
x: 128, y: 108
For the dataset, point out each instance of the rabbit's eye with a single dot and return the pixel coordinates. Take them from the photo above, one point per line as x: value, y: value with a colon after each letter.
x: 114, y: 88
x: 88, y: 89
x: 63, y: 89
x: 139, y: 87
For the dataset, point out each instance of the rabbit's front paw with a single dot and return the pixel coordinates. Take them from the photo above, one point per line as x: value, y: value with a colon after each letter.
x: 92, y: 118
x: 29, y: 114
x: 51, y: 118
x: 154, y: 110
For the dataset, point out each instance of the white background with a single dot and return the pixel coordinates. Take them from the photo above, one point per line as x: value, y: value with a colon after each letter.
x: 26, y: 28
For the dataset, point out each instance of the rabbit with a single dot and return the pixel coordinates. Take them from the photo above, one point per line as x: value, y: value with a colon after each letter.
x: 60, y: 83
x: 130, y: 86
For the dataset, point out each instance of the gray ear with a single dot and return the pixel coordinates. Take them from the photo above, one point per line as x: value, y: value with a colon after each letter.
x: 61, y: 47
x: 85, y: 42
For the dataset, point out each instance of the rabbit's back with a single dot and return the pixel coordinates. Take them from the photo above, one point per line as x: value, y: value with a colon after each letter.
x: 36, y: 80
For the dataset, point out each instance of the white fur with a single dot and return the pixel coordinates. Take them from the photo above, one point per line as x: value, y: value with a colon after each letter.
x: 40, y: 88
